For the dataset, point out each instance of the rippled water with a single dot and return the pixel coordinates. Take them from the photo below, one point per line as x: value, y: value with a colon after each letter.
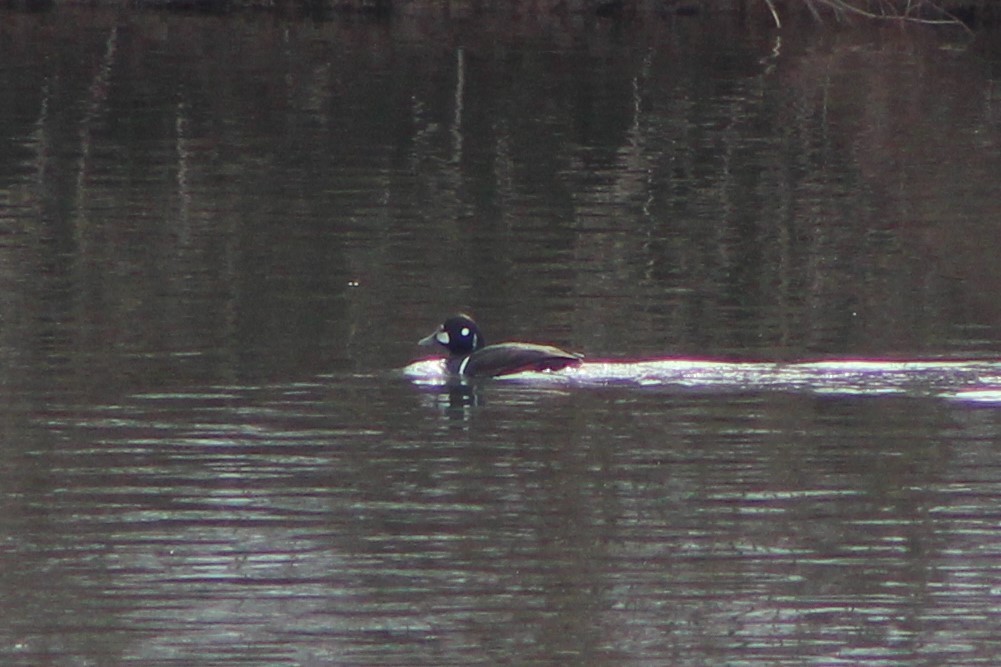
x: 958, y: 380
x: 221, y: 236
x: 276, y: 525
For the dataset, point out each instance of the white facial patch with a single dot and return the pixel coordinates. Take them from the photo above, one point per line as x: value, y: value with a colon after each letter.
x: 442, y: 337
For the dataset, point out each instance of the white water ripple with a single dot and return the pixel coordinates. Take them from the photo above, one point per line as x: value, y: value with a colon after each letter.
x: 971, y: 381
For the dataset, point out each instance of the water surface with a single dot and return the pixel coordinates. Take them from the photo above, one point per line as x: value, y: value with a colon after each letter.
x: 221, y: 236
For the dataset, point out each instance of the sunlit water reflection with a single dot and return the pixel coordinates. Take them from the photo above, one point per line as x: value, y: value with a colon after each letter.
x: 974, y: 381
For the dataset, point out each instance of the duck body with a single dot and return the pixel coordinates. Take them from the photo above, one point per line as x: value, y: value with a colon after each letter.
x: 470, y: 356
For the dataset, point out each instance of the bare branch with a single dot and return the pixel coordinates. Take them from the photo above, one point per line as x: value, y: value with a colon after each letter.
x: 909, y: 11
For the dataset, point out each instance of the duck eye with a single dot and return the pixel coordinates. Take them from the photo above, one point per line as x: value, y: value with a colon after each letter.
x: 464, y: 332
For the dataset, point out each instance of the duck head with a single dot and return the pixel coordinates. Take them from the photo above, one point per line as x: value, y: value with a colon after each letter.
x: 458, y: 334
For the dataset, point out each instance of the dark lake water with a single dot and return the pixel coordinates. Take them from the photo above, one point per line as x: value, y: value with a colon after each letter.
x: 221, y: 237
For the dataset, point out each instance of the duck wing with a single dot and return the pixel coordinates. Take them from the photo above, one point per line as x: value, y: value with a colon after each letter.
x: 508, y: 358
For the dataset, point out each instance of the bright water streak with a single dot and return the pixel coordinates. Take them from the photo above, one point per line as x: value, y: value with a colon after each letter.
x: 977, y: 381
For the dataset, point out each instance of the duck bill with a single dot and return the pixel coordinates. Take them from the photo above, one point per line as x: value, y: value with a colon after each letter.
x: 437, y: 337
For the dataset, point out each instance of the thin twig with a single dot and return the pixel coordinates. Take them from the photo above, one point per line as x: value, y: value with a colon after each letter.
x: 775, y: 14
x: 813, y: 10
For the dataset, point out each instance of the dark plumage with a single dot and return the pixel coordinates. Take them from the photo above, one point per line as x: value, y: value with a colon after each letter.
x: 469, y: 355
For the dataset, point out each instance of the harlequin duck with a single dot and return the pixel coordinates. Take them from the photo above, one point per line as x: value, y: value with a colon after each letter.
x: 469, y: 355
